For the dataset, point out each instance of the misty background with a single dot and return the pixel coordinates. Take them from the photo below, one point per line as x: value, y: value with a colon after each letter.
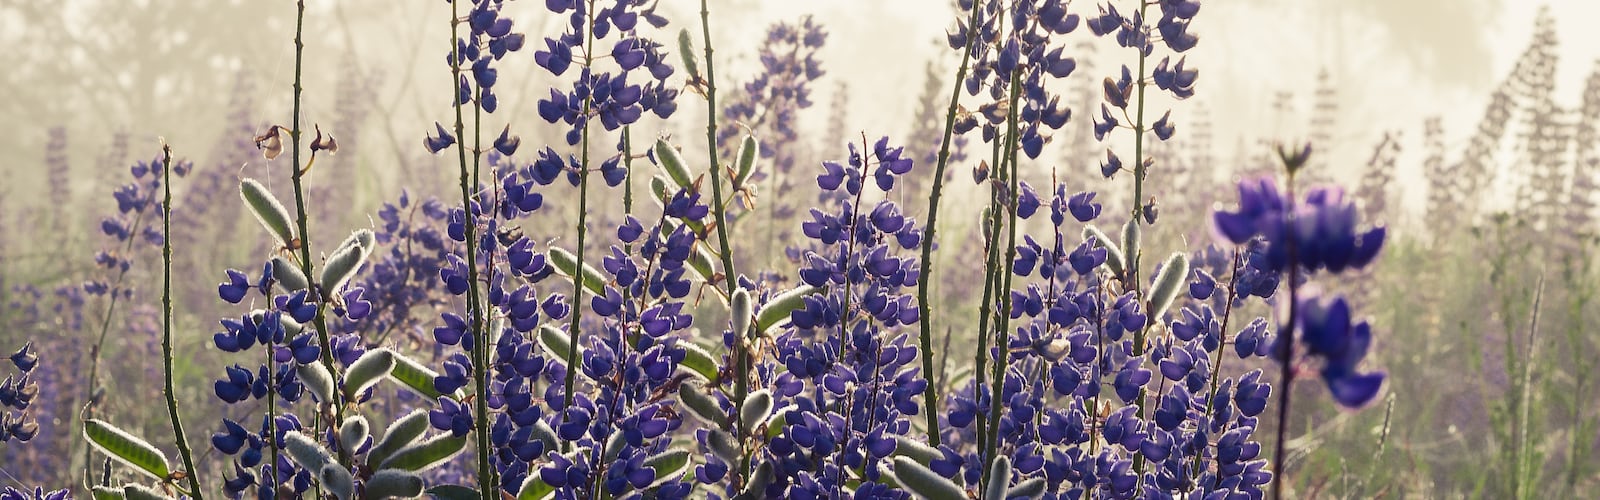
x: 94, y: 69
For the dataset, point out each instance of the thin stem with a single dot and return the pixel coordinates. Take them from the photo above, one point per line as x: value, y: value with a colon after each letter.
x: 583, y: 219
x: 474, y: 307
x: 166, y: 325
x: 1222, y: 335
x: 991, y: 257
x: 930, y: 396
x: 301, y: 222
x: 719, y: 210
x: 1002, y: 320
x: 1286, y: 349
x: 1140, y: 171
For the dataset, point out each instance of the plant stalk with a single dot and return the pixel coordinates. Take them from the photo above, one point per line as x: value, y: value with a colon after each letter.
x: 166, y: 325
x: 930, y: 396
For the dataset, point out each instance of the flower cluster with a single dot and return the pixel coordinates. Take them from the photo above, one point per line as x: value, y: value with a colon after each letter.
x: 1322, y: 227
x: 17, y: 392
x: 1014, y: 54
x: 610, y: 98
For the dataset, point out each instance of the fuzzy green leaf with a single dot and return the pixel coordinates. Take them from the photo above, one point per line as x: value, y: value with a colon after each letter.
x: 698, y: 361
x: 426, y: 454
x: 401, y: 433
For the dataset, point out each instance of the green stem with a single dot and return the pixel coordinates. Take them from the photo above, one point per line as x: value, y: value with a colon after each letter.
x: 166, y: 325
x: 1227, y: 310
x: 474, y: 306
x: 583, y: 219
x: 1140, y: 171
x: 1002, y: 318
x: 930, y: 396
x: 991, y: 257
x: 719, y: 210
x: 304, y: 245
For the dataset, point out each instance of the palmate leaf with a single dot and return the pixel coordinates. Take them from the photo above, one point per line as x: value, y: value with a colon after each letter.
x: 126, y: 448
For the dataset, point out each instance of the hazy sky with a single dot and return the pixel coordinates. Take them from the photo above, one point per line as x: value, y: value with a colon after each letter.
x: 1396, y: 62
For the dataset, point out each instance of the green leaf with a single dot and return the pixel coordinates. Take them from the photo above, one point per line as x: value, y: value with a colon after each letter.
x: 697, y: 361
x: 371, y: 367
x: 108, y: 493
x: 394, y: 484
x: 401, y: 433
x: 126, y: 448
x: 267, y: 210
x: 454, y: 492
x: 427, y: 454
x: 925, y: 483
x: 134, y: 491
x: 777, y: 309
x: 414, y: 376
x: 916, y: 450
x: 567, y: 264
x: 668, y: 465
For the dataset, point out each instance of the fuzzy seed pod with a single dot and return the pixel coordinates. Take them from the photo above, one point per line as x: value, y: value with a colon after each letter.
x: 267, y: 210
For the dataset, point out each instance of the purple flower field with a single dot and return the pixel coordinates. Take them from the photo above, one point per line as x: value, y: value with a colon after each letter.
x: 663, y: 249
